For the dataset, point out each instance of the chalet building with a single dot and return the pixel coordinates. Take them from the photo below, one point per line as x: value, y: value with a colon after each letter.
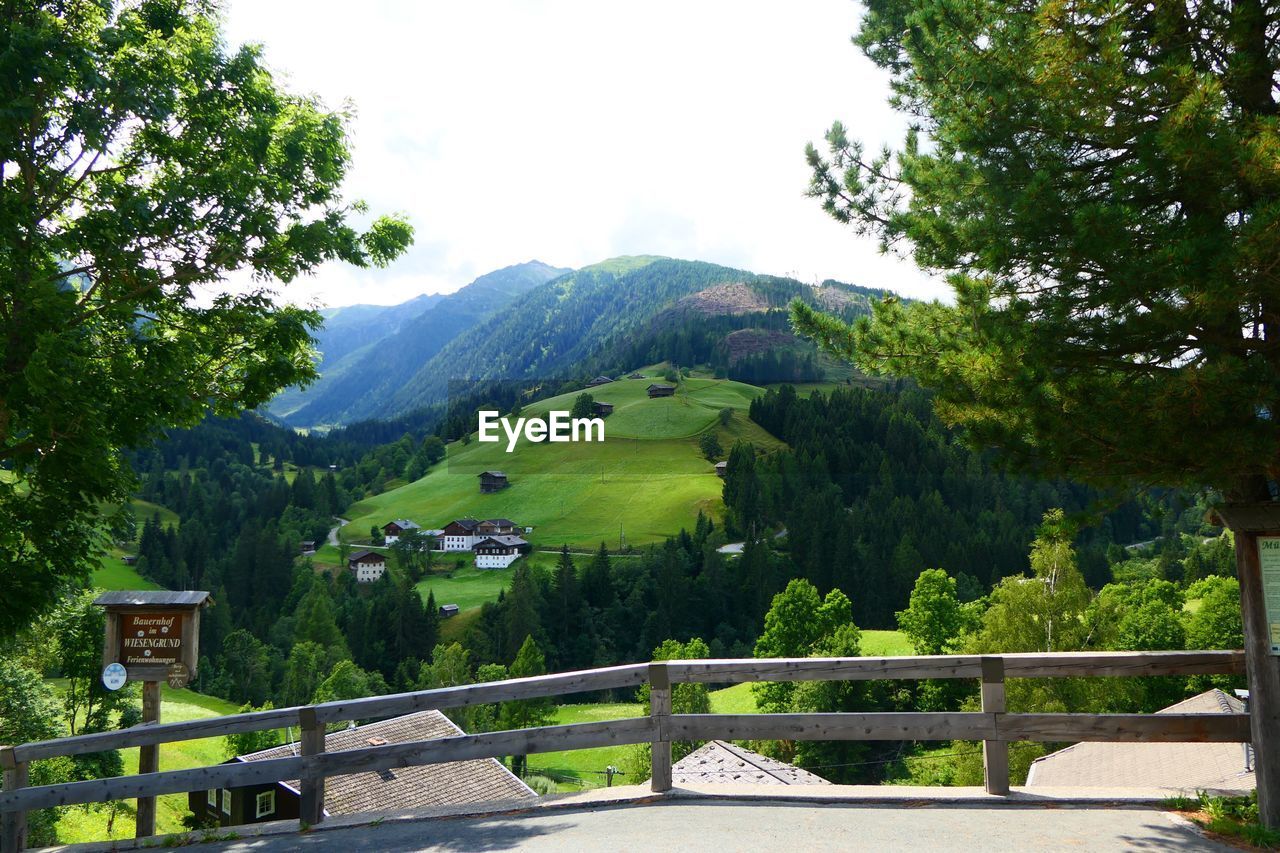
x: 392, y: 530
x: 598, y: 381
x: 601, y: 409
x: 367, y: 566
x: 492, y: 481
x: 636, y: 376
x: 129, y: 559
x: 658, y: 389
x: 447, y: 610
x: 458, y: 535
x: 722, y: 468
x: 496, y: 526
x: 482, y: 780
x: 498, y: 552
x: 307, y: 546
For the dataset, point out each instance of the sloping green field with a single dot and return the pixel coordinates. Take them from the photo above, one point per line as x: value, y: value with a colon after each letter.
x: 645, y: 481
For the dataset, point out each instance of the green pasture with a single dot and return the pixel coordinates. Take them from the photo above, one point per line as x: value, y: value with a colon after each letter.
x: 646, y: 480
x: 90, y: 823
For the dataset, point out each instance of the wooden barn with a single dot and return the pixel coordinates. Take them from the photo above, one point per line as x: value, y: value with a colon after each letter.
x: 601, y: 409
x: 599, y: 380
x: 721, y: 469
x: 447, y: 610
x: 492, y: 481
x: 658, y: 389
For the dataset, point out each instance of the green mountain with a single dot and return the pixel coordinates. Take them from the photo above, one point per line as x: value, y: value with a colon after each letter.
x: 615, y: 315
x: 379, y: 350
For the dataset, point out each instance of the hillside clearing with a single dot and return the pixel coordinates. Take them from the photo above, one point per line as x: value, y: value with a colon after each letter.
x: 644, y: 483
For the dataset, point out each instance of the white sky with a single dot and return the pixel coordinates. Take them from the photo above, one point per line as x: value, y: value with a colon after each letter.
x: 571, y: 132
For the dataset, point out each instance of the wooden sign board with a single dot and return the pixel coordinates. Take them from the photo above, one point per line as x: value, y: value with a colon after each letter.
x: 1269, y: 561
x: 152, y: 633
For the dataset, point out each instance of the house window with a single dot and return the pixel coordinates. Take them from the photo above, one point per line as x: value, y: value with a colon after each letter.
x: 213, y: 798
x: 226, y: 801
x: 266, y: 804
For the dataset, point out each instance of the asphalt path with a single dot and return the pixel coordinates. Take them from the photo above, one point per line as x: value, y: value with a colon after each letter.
x: 762, y: 825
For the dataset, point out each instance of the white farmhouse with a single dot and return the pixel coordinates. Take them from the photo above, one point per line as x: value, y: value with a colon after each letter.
x: 367, y: 566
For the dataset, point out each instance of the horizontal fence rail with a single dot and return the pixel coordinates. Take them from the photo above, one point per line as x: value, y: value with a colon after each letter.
x: 992, y: 725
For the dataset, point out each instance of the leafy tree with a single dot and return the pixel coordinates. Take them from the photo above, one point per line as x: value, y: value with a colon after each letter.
x: 725, y: 415
x: 525, y: 713
x: 28, y: 712
x: 710, y: 447
x: 583, y: 406
x: 412, y: 552
x: 246, y: 667
x: 304, y: 670
x: 1216, y: 623
x: 143, y: 162
x: 934, y: 620
x: 1043, y: 613
x: 78, y: 631
x: 1094, y: 188
x: 796, y: 622
x: 243, y: 743
x: 348, y: 681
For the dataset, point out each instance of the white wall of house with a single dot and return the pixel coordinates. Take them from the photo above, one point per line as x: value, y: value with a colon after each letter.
x: 496, y: 561
x: 458, y: 543
x: 391, y: 538
x: 369, y: 572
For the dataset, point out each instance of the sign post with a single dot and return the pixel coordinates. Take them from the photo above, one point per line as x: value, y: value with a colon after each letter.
x: 1257, y: 532
x: 151, y: 637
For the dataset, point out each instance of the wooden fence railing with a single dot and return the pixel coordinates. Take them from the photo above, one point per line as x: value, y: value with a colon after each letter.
x: 992, y: 725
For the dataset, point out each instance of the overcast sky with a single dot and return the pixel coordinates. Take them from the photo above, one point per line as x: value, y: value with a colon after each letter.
x: 571, y: 132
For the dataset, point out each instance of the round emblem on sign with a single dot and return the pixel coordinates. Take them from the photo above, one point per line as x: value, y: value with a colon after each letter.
x: 179, y: 675
x: 114, y: 676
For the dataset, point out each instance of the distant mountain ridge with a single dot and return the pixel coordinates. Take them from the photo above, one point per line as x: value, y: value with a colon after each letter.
x: 369, y: 350
x: 604, y: 318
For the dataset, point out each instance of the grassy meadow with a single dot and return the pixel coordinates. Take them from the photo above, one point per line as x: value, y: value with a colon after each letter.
x: 95, y: 823
x: 645, y: 481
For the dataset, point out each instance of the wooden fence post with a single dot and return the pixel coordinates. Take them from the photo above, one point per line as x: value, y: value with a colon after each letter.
x: 148, y: 759
x: 995, y: 753
x: 1263, y: 670
x: 13, y: 832
x: 311, y: 811
x: 660, y: 711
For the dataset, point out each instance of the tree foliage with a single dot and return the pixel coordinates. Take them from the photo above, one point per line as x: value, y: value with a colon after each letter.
x: 143, y: 161
x: 1098, y: 182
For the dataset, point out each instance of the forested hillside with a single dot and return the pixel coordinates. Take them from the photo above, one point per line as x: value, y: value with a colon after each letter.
x: 358, y: 385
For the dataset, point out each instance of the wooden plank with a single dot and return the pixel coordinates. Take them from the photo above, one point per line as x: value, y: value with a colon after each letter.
x: 824, y: 669
x: 559, y: 684
x: 459, y: 748
x: 660, y: 713
x: 1062, y: 664
x: 868, y: 726
x: 311, y: 810
x: 148, y: 760
x: 1153, y: 728
x: 1056, y: 664
x: 13, y: 825
x: 159, y: 733
x: 1264, y: 676
x: 995, y: 753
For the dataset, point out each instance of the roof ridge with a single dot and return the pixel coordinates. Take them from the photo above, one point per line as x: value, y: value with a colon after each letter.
x: 750, y: 757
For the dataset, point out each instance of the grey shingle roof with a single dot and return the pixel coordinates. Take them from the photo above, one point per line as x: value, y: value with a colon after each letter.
x: 153, y: 598
x: 454, y: 783
x: 719, y: 762
x: 1180, y: 766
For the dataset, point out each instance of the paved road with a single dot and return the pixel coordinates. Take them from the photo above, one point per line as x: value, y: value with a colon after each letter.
x: 333, y: 532
x: 778, y: 825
